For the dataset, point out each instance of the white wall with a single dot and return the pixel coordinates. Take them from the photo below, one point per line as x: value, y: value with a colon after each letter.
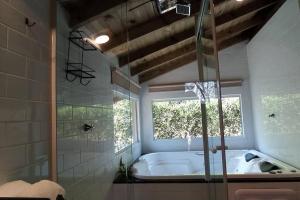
x: 274, y: 63
x: 233, y: 65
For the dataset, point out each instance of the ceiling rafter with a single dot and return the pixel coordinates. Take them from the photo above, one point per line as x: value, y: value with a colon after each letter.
x: 169, y: 66
x: 149, y: 26
x: 254, y: 6
x: 139, y: 53
x: 191, y: 45
x: 142, y: 52
x: 186, y: 59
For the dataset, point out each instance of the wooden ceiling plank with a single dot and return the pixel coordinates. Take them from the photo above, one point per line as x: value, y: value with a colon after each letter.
x: 239, y: 28
x: 157, y: 23
x: 269, y: 15
x: 124, y: 59
x: 88, y: 11
x: 222, y: 36
x: 171, y: 65
x: 149, y: 26
x: 250, y: 8
x: 185, y: 59
x: 162, y: 59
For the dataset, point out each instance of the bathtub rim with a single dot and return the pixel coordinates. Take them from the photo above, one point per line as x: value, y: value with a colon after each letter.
x: 232, y: 177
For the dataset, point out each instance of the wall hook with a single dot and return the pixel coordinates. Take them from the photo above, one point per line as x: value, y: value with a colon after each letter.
x: 28, y: 23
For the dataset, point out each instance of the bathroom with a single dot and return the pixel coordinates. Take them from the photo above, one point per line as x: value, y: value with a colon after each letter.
x: 143, y: 100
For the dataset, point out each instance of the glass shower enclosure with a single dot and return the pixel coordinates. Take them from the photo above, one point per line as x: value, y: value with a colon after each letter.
x: 208, y: 90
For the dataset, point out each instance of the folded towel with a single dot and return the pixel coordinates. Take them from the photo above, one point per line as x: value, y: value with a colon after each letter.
x: 250, y: 156
x: 43, y: 189
x: 266, y: 166
x: 12, y: 189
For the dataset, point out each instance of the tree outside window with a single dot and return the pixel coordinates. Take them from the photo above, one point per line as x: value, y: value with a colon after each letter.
x: 173, y: 119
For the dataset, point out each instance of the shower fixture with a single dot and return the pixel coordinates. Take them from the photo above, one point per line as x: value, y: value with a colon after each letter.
x: 87, y: 127
x: 204, y: 90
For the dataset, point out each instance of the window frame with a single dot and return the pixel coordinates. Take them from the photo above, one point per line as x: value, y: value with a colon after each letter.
x: 195, y: 98
x: 136, y: 128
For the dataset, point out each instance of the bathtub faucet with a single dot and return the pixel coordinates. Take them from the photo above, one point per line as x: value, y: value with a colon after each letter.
x: 218, y: 148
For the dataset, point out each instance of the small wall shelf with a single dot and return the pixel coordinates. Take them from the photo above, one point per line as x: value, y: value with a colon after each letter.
x: 80, y: 39
x: 79, y: 70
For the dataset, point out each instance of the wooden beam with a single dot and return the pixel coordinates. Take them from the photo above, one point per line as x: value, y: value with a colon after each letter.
x: 231, y: 41
x: 163, y: 58
x: 139, y: 53
x: 268, y: 17
x: 123, y: 81
x: 171, y: 65
x: 239, y: 28
x: 186, y: 59
x: 154, y: 24
x: 221, y: 36
x: 249, y: 8
x: 84, y: 12
x: 181, y: 86
x: 143, y: 67
x: 170, y: 17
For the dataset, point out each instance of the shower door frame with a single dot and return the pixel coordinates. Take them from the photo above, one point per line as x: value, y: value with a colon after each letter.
x: 206, y: 148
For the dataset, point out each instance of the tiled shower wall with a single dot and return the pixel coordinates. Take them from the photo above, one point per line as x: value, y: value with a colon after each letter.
x: 273, y: 56
x: 24, y: 90
x: 86, y: 160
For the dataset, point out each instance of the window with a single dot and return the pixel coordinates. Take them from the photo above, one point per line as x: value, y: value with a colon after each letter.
x: 178, y: 118
x: 125, y: 121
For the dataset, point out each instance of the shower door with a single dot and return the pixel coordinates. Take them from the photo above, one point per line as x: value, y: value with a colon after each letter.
x: 211, y: 102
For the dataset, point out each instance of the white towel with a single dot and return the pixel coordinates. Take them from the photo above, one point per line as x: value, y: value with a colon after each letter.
x: 12, y: 189
x: 43, y: 189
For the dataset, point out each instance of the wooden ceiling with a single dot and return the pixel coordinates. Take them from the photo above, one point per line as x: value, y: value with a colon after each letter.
x: 152, y: 44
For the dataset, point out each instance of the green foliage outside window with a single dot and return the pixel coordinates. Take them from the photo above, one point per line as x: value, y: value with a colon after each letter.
x: 122, y: 124
x: 179, y: 118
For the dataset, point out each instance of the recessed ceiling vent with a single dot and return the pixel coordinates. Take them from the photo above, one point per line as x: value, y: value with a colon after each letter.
x: 182, y: 7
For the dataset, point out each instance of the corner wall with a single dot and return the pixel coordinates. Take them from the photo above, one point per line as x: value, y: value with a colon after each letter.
x: 274, y: 57
x: 24, y: 90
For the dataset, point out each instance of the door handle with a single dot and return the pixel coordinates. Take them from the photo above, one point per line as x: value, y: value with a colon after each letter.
x: 218, y: 148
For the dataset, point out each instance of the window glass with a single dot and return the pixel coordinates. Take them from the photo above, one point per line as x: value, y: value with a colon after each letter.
x: 125, y: 122
x: 179, y: 118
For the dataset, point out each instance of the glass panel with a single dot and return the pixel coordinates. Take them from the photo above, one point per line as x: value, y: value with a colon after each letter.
x: 97, y: 121
x: 209, y: 92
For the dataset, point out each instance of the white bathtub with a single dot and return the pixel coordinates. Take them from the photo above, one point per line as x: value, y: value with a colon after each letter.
x: 190, y: 165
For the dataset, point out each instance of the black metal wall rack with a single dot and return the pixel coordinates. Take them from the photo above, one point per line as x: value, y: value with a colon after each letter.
x: 80, y: 70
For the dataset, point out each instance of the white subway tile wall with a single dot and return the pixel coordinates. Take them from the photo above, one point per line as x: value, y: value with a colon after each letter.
x: 87, y: 163
x: 273, y: 56
x: 24, y: 90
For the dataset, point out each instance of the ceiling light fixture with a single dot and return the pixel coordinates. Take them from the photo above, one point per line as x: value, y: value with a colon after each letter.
x: 101, y: 39
x: 239, y: 0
